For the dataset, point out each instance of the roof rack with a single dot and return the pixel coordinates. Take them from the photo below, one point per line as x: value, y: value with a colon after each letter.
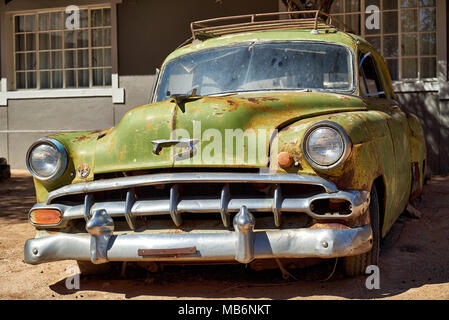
x: 310, y: 19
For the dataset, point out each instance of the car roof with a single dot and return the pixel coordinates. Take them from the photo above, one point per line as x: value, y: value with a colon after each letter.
x: 329, y: 35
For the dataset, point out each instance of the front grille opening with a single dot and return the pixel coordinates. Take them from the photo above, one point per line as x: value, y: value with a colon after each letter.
x: 331, y: 206
x: 292, y: 190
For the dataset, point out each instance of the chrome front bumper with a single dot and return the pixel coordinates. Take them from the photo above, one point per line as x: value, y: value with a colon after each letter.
x: 243, y: 244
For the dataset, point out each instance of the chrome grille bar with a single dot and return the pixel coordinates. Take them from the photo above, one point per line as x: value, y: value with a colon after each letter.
x: 255, y: 205
x: 224, y: 202
x: 188, y: 177
x: 130, y: 200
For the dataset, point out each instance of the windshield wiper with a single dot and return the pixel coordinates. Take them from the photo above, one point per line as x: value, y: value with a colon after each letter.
x: 181, y: 99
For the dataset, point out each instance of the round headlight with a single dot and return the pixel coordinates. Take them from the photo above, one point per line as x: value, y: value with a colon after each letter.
x: 325, y: 145
x: 46, y: 159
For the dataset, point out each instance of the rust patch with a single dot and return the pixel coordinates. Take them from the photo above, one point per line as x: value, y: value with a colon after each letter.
x: 335, y: 226
x: 83, y: 170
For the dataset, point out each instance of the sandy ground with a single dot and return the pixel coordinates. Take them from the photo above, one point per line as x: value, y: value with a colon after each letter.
x: 414, y: 264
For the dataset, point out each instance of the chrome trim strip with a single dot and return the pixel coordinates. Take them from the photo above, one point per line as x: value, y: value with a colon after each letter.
x: 187, y: 177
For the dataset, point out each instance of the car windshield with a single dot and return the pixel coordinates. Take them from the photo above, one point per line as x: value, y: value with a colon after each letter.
x: 258, y: 67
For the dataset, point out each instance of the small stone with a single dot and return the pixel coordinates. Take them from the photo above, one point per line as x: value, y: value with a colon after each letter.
x: 412, y: 212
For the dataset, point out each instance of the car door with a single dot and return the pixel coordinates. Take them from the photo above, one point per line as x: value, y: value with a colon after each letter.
x: 373, y: 86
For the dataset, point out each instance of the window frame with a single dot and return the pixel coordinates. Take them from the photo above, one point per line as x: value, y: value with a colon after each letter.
x: 63, y: 50
x: 8, y: 90
x: 382, y: 94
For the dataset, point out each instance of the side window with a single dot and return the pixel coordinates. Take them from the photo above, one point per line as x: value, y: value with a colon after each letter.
x: 369, y: 79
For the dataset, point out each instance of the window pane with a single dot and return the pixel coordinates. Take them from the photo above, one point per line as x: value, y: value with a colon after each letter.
x: 97, y: 77
x: 372, y: 2
x: 20, y: 42
x: 375, y: 42
x: 30, y: 42
x: 83, y: 58
x: 83, y: 78
x: 97, y: 58
x: 352, y: 5
x: 84, y: 18
x: 70, y: 79
x: 353, y: 21
x: 107, y: 17
x: 44, y: 21
x: 96, y: 18
x: 409, y: 44
x: 69, y: 39
x: 44, y: 79
x: 19, y: 24
x: 389, y: 4
x: 393, y: 67
x: 107, y: 76
x: 409, y: 68
x: 427, y: 3
x: 56, y: 80
x: 44, y: 41
x: 428, y: 68
x: 31, y: 61
x: 56, y: 40
x: 20, y: 80
x: 390, y: 22
x: 55, y: 21
x: 70, y: 58
x: 427, y: 19
x: 337, y: 6
x: 31, y: 80
x: 44, y: 60
x: 107, y: 58
x: 20, y: 61
x: 408, y: 3
x: 97, y: 38
x: 56, y: 59
x: 107, y: 36
x: 83, y: 40
x: 409, y: 20
x: 428, y: 44
x: 390, y: 46
x: 29, y: 23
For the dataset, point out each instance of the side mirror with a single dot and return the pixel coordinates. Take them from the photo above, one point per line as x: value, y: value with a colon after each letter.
x: 153, y: 87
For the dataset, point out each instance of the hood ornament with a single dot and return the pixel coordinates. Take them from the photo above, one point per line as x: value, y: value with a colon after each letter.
x: 189, y: 144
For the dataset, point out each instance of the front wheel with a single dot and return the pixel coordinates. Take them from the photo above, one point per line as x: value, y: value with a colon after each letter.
x: 356, y: 265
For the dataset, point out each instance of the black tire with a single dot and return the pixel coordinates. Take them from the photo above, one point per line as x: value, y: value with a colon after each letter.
x: 89, y: 268
x: 356, y: 265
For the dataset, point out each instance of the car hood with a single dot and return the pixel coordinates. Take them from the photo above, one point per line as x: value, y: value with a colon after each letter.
x: 229, y: 131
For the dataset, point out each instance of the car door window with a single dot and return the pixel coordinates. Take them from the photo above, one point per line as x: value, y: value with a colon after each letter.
x: 369, y: 79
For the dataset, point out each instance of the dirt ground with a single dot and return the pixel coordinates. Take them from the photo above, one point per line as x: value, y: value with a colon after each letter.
x: 414, y: 264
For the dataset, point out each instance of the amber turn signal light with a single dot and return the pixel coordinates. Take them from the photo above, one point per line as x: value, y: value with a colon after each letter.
x: 285, y: 160
x: 45, y: 216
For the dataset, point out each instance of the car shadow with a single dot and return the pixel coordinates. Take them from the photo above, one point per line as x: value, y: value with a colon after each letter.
x: 17, y: 196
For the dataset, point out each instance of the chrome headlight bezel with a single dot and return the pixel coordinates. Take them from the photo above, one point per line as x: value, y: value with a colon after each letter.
x: 61, y: 162
x: 347, y: 145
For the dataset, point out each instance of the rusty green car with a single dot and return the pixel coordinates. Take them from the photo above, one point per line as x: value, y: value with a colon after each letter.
x: 263, y: 141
